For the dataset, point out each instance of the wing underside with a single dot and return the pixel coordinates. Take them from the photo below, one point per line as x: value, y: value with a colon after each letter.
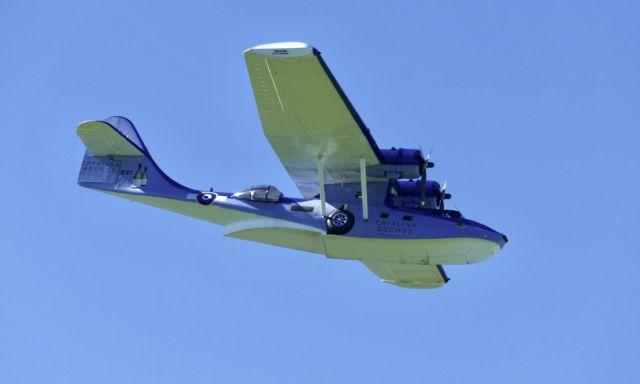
x: 306, y: 116
x: 409, y: 275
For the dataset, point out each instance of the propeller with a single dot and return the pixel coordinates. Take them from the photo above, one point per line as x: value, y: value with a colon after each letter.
x: 424, y: 164
x: 443, y: 195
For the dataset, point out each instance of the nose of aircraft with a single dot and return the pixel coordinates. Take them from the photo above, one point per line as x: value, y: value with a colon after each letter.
x: 474, y: 229
x: 492, y: 235
x: 497, y: 237
x: 503, y: 240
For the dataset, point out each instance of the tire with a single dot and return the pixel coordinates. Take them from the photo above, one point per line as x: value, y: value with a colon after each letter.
x: 206, y: 198
x: 340, y: 222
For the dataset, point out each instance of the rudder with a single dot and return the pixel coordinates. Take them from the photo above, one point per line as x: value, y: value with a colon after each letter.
x: 117, y: 160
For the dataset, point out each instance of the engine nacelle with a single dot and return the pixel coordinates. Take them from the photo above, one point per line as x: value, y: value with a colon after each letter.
x: 406, y: 193
x: 398, y: 163
x: 401, y: 156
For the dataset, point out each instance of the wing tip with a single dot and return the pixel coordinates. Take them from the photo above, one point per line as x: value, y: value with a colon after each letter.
x: 289, y: 48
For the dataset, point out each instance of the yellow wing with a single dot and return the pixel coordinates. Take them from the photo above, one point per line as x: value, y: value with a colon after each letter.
x: 305, y: 115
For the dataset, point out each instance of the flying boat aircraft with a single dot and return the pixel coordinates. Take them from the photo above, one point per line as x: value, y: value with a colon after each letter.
x: 359, y: 201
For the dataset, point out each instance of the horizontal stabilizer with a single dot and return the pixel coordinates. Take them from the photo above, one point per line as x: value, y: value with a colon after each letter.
x: 101, y: 139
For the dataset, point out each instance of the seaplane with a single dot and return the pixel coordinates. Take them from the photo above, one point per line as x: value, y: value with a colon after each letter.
x: 358, y: 201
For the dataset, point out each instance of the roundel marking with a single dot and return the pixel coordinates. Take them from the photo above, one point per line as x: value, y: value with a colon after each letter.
x: 206, y: 198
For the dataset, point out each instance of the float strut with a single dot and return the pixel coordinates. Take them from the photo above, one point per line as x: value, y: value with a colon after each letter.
x: 363, y: 187
x: 323, y: 198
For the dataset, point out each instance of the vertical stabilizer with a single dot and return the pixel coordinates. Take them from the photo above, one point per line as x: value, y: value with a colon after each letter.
x: 117, y: 160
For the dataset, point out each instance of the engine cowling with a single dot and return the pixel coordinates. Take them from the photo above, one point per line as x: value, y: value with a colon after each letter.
x: 406, y: 193
x: 412, y: 188
x: 398, y: 163
x: 402, y: 156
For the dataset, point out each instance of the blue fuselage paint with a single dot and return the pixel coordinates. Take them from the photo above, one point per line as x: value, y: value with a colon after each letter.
x: 384, y: 221
x: 388, y: 218
x: 402, y: 226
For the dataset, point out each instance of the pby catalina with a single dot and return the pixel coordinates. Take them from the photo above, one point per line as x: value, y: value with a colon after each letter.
x: 359, y: 202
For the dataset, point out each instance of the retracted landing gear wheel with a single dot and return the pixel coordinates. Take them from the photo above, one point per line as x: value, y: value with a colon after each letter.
x: 340, y: 222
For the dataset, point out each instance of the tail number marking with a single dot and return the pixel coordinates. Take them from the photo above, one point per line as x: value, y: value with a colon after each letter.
x: 99, y: 171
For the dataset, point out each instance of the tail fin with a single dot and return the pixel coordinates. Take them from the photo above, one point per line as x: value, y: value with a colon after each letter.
x: 117, y: 160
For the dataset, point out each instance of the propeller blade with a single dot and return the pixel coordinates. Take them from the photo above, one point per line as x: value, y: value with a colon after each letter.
x: 443, y: 195
x: 425, y: 163
x: 423, y: 186
x: 428, y: 154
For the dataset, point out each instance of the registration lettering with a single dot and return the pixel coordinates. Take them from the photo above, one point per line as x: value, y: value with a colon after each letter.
x: 99, y: 171
x: 393, y: 227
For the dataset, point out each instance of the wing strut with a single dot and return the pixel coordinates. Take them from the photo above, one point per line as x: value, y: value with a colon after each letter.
x: 363, y: 187
x: 323, y: 199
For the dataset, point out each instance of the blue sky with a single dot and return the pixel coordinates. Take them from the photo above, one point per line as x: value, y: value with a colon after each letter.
x: 532, y: 110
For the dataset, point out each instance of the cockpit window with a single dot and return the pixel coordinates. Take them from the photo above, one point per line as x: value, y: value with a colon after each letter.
x: 266, y: 193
